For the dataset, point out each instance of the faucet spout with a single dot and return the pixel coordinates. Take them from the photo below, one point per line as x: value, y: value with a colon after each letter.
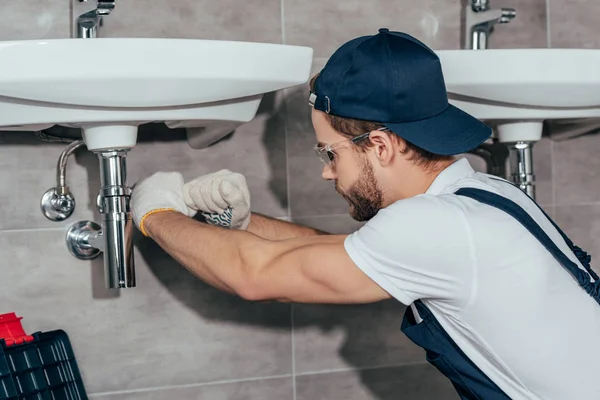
x: 87, y: 25
x: 117, y: 224
x: 89, y: 21
x: 480, y: 21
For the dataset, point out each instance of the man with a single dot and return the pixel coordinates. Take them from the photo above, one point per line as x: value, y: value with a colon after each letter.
x: 504, y: 304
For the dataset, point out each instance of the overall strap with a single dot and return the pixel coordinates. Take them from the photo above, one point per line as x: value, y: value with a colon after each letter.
x: 513, y: 209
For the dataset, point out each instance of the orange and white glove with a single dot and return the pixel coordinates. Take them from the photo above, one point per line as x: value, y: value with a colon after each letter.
x: 161, y: 191
x: 222, y: 198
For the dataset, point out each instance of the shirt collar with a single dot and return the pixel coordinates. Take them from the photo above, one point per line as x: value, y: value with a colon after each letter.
x: 452, y: 174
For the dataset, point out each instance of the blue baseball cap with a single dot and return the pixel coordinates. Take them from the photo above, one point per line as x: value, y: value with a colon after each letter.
x: 394, y: 79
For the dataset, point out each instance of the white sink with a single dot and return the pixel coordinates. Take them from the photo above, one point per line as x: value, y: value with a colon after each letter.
x: 110, y: 86
x: 519, y: 88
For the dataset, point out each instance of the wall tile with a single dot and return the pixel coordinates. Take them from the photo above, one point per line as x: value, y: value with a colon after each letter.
x: 550, y: 210
x: 526, y: 30
x: 574, y: 23
x: 268, y: 389
x: 309, y: 194
x: 478, y: 163
x: 351, y: 336
x: 248, y: 20
x: 414, y: 382
x: 28, y: 169
x: 542, y: 168
x: 34, y: 19
x: 576, y: 166
x: 581, y: 223
x: 256, y: 149
x: 327, y: 24
x: 192, y: 333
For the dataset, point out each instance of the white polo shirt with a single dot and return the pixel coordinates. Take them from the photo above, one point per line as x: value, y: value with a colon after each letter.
x: 501, y: 296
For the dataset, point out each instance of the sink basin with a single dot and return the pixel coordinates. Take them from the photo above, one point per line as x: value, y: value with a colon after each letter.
x: 121, y: 83
x: 524, y: 83
x: 517, y: 89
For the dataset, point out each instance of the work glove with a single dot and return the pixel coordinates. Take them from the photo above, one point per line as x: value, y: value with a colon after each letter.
x: 222, y: 198
x: 159, y: 192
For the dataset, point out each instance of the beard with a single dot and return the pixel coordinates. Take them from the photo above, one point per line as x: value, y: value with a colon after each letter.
x: 365, y: 197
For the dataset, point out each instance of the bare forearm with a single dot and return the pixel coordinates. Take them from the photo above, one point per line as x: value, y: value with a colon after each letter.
x: 211, y: 253
x: 274, y: 229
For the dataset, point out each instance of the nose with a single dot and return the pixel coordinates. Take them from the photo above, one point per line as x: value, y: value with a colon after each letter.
x: 327, y: 173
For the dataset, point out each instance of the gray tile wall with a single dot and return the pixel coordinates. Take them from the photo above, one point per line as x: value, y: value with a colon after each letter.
x: 174, y: 337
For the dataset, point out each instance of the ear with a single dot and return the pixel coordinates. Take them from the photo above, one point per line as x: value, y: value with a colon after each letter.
x: 383, y: 147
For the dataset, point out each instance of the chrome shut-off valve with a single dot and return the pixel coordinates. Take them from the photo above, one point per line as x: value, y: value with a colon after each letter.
x: 58, y: 203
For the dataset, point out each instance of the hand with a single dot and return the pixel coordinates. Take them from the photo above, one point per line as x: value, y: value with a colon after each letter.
x: 222, y: 198
x: 159, y: 192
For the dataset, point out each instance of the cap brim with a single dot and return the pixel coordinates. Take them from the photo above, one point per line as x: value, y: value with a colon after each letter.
x: 448, y: 133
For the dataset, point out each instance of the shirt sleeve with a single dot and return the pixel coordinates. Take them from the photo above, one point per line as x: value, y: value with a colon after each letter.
x: 418, y: 248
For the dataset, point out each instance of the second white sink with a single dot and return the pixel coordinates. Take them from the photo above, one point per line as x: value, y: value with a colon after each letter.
x: 517, y: 84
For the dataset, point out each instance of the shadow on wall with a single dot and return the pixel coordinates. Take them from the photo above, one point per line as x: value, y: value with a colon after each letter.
x: 371, y: 333
x: 273, y: 140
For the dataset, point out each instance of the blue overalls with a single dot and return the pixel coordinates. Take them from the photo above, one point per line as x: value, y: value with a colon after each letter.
x: 442, y: 352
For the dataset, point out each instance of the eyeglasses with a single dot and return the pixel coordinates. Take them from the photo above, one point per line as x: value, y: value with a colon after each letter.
x: 327, y: 153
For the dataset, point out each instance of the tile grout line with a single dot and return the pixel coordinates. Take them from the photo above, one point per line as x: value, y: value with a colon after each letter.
x: 255, y: 379
x: 286, y: 133
x: 285, y: 125
x: 282, y: 21
x: 576, y: 204
x: 552, y: 171
x: 192, y: 385
x: 289, y: 198
x: 25, y: 230
x: 287, y: 158
x: 548, y: 25
x: 374, y: 367
x: 292, y: 311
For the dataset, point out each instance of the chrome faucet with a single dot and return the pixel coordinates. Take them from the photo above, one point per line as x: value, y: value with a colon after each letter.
x: 89, y: 16
x: 480, y: 21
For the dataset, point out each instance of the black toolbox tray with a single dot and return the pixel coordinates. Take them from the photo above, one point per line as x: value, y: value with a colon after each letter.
x: 39, y: 367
